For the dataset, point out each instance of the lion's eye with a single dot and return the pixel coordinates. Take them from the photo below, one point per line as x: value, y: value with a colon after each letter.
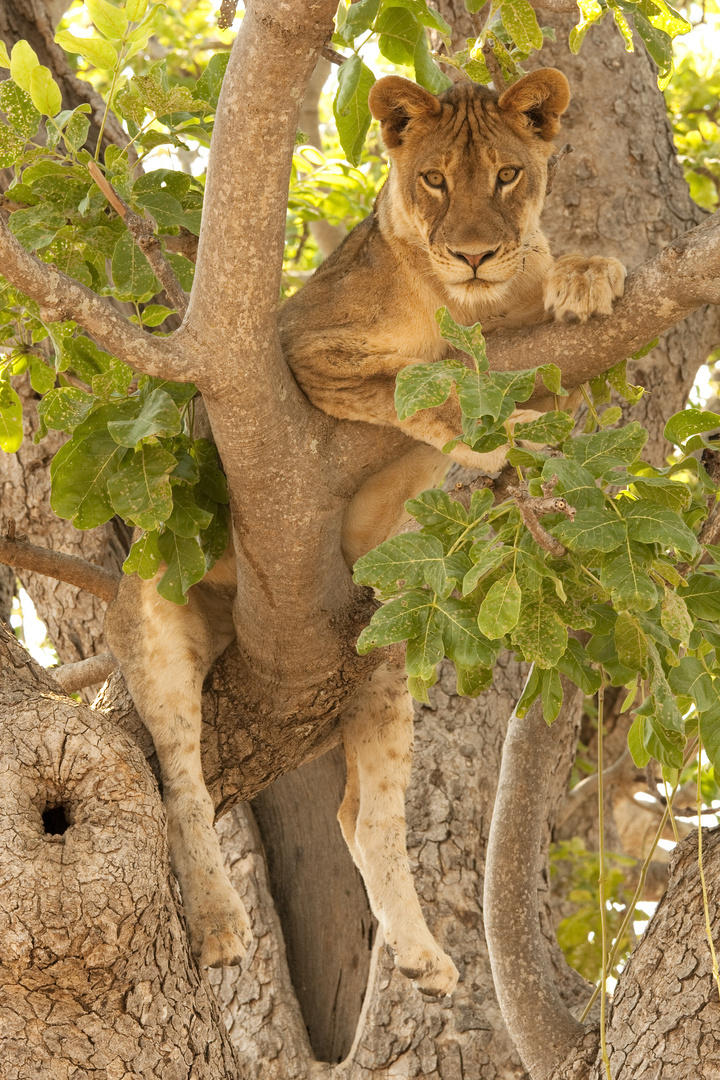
x: 508, y: 174
x: 434, y: 178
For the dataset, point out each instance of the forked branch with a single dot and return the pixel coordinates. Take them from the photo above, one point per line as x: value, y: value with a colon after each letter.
x: 539, y: 1024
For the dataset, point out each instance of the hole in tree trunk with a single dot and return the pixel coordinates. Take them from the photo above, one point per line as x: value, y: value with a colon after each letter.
x: 55, y: 822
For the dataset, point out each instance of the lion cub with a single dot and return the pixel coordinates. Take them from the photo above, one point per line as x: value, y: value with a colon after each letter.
x: 456, y: 225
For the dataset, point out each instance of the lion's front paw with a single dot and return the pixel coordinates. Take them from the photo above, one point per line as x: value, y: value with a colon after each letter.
x: 220, y: 931
x: 431, y: 970
x: 578, y: 287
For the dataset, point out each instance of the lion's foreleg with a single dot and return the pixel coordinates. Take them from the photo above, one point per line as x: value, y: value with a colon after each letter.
x: 378, y: 735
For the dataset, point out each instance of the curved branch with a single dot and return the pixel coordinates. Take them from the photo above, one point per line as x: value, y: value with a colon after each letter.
x: 658, y: 294
x: 69, y: 568
x: 237, y: 281
x: 60, y: 298
x: 95, y: 669
x: 540, y: 1025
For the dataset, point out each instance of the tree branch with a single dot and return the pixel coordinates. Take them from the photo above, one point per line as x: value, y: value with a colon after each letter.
x: 540, y: 1025
x: 61, y: 298
x: 25, y: 556
x: 658, y: 294
x: 95, y: 669
x: 143, y: 234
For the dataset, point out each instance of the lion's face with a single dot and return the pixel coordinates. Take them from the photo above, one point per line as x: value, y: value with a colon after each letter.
x: 469, y: 172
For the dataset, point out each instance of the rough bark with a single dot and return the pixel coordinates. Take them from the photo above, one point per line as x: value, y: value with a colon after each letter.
x: 95, y: 975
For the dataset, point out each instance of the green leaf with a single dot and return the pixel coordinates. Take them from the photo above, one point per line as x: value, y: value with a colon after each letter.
x: 42, y: 378
x: 540, y: 634
x: 702, y: 596
x: 207, y: 88
x: 427, y: 73
x: 23, y: 61
x: 690, y: 679
x: 4, y: 57
x: 80, y: 471
x: 468, y: 339
x: 435, y: 508
x: 550, y: 428
x: 110, y: 21
x: 657, y: 42
x: 397, y: 620
x: 352, y: 115
x: 710, y: 736
x: 100, y: 54
x: 650, y: 523
x: 154, y: 314
x: 140, y: 490
x: 359, y: 18
x: 552, y: 695
x: 521, y: 23
x: 676, y: 495
x: 551, y: 376
x: 166, y: 210
x: 425, y: 15
x: 675, y: 617
x: 130, y: 269
x: 488, y: 559
x: 575, y: 483
x: 144, y: 557
x: 630, y: 642
x: 37, y: 226
x: 627, y: 581
x: 530, y: 692
x: 423, y: 386
x: 573, y: 664
x: 187, y: 517
x: 473, y: 681
x: 135, y: 9
x: 500, y: 610
x: 64, y: 408
x: 75, y: 131
x: 160, y: 416
x: 425, y: 652
x: 398, y: 35
x: 592, y: 530
x: 606, y: 450
x: 419, y: 688
x: 413, y: 557
x: 11, y: 429
x: 464, y: 643
x: 689, y: 422
x: 636, y: 742
x: 22, y: 122
x: 214, y: 539
x: 44, y: 91
x: 185, y: 565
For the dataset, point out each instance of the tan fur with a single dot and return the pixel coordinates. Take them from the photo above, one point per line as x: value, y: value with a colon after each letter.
x: 456, y: 225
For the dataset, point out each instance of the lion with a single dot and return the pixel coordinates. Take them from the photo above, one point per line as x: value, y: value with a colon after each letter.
x: 455, y: 225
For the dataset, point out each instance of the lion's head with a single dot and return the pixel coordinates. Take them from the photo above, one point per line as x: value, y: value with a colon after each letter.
x: 469, y: 171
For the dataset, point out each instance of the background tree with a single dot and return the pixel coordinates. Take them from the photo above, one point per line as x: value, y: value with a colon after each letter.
x: 91, y: 985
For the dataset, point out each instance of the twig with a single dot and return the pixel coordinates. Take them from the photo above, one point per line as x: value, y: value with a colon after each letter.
x: 19, y: 553
x: 333, y: 56
x: 493, y: 66
x: 95, y: 669
x: 533, y: 506
x: 185, y: 243
x: 554, y: 162
x: 587, y: 787
x: 144, y: 235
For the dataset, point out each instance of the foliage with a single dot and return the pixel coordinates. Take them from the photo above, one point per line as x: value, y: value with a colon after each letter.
x: 692, y: 99
x: 401, y: 31
x: 470, y: 583
x: 579, y: 933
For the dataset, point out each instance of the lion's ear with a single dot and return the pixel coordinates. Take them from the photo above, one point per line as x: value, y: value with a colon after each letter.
x: 395, y: 101
x: 540, y: 99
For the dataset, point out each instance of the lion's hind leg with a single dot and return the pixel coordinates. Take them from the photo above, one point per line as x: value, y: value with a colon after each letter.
x: 165, y: 651
x: 377, y: 729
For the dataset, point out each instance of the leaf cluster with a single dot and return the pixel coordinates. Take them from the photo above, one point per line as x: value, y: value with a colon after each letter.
x: 470, y: 583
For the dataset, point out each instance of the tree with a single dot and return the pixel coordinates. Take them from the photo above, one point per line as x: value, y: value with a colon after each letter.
x: 95, y: 964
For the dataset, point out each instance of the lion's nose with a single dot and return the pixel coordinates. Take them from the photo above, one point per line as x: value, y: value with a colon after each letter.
x: 474, y: 258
